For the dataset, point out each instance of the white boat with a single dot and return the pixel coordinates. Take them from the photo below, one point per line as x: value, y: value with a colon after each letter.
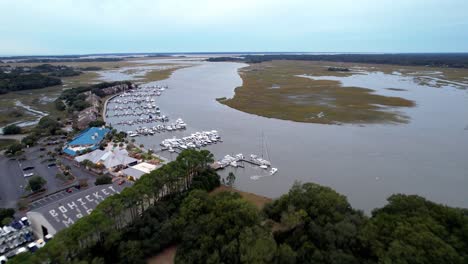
x: 273, y: 171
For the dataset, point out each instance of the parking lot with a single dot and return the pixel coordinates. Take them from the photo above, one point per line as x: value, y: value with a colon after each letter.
x: 37, y: 161
x: 51, y: 198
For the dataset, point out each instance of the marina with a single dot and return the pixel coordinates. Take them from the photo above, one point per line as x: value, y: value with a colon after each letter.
x: 196, y: 140
x: 347, y: 158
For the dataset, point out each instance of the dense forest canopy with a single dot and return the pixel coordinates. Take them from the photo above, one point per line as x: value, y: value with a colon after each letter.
x: 75, y: 98
x: 17, y: 82
x: 451, y: 60
x: 17, y: 78
x: 48, y: 59
x: 309, y: 224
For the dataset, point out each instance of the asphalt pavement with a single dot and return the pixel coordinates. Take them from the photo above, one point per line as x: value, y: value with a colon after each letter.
x: 13, y: 182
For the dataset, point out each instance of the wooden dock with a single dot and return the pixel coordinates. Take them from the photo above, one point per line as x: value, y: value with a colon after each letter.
x: 219, y: 166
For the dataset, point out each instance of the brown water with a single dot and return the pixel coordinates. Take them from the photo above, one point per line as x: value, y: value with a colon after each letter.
x: 428, y: 156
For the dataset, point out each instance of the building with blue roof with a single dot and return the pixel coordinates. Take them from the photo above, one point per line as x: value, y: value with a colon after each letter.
x: 86, y: 140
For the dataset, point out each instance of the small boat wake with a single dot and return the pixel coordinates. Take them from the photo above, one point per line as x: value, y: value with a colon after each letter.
x: 270, y: 173
x: 256, y: 177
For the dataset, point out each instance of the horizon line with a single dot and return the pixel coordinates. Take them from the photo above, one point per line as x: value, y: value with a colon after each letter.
x: 229, y: 52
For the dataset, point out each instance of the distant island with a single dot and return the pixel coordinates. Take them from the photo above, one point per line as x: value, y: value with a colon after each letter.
x: 449, y: 60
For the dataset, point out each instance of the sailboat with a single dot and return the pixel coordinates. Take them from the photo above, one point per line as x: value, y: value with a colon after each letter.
x: 267, y: 162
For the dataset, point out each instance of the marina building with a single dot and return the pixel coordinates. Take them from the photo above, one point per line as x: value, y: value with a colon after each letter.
x: 85, y: 141
x: 135, y: 172
x: 111, y: 159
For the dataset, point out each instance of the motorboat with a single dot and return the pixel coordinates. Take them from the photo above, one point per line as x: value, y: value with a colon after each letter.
x: 273, y: 171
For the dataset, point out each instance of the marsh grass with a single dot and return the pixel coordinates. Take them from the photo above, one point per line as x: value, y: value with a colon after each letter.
x: 314, y: 101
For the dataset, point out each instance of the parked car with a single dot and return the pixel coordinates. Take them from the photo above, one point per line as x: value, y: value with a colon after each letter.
x: 121, y: 182
x: 51, y: 165
x: 3, y: 260
x: 21, y: 250
x: 28, y: 168
x: 28, y: 174
x: 40, y: 243
x: 10, y: 254
x: 33, y: 247
x: 48, y: 237
x: 69, y: 190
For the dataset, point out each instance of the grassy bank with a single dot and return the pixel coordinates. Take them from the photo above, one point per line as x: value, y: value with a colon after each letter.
x: 4, y: 143
x: 257, y: 200
x: 272, y: 89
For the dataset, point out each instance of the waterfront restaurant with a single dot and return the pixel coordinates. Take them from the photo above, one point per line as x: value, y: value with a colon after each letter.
x: 87, y: 140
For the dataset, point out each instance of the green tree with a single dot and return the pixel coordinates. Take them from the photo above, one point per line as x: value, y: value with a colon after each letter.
x: 6, y: 213
x: 256, y: 245
x: 212, y: 226
x: 411, y: 229
x: 14, y: 149
x: 285, y: 255
x: 230, y: 179
x: 97, y: 123
x: 11, y: 130
x: 59, y: 105
x: 36, y: 183
x: 103, y: 180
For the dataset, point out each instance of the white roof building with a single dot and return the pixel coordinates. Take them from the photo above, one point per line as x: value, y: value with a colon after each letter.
x: 109, y: 159
x: 139, y: 170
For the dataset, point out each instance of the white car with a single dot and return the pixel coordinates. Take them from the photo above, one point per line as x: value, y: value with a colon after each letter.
x: 40, y: 243
x: 21, y: 250
x: 28, y: 174
x: 3, y: 260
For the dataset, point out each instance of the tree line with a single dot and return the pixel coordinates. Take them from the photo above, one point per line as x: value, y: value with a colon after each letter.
x: 75, y: 99
x: 309, y: 224
x: 451, y: 60
x: 24, y: 78
x: 106, y: 225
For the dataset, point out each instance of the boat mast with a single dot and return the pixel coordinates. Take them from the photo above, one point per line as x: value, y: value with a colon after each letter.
x: 266, y: 151
x: 261, y: 144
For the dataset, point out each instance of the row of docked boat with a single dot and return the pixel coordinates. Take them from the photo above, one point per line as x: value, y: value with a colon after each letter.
x: 144, y: 91
x: 145, y: 131
x: 155, y: 112
x: 119, y: 107
x: 142, y: 120
x: 135, y: 100
x: 233, y: 161
x: 195, y: 140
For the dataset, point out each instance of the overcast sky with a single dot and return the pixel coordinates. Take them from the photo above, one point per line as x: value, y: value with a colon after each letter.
x: 106, y: 26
